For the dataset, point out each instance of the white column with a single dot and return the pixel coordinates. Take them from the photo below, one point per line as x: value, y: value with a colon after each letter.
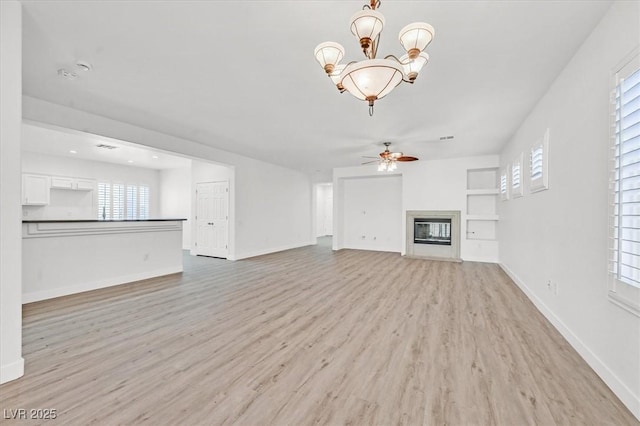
x: 11, y: 361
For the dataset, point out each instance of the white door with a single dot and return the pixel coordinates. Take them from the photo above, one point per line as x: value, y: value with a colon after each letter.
x: 212, y: 219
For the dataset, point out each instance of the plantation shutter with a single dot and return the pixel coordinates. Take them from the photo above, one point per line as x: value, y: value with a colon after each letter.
x: 104, y: 200
x: 625, y: 262
x: 118, y: 201
x: 132, y: 201
x: 143, y: 202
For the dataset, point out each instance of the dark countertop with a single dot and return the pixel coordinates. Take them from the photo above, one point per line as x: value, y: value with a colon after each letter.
x: 97, y: 220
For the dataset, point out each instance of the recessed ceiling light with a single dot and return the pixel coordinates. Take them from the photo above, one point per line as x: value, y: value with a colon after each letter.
x: 155, y: 157
x: 73, y: 151
x: 129, y: 161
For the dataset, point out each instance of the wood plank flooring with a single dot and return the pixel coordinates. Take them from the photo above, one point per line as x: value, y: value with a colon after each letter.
x: 308, y: 336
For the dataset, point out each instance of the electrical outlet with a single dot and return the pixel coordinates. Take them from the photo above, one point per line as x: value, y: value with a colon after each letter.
x: 549, y: 285
x: 146, y: 257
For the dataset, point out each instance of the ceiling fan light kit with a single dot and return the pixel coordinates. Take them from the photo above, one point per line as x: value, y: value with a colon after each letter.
x: 372, y: 79
x: 388, y: 160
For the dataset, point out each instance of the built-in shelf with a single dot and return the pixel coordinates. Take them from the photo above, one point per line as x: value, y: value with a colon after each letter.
x: 482, y: 197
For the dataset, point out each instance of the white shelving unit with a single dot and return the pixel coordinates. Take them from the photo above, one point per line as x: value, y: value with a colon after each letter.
x: 482, y: 198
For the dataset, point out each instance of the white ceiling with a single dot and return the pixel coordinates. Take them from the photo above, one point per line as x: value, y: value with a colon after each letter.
x: 60, y: 142
x: 241, y: 76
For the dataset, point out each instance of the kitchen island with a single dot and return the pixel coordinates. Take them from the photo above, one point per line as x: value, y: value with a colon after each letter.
x: 62, y: 257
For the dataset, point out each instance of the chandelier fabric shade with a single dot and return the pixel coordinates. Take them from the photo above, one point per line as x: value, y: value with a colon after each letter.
x: 372, y: 79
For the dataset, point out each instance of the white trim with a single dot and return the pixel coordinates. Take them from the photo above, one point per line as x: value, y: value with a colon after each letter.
x: 625, y: 303
x: 262, y: 252
x: 480, y: 259
x: 12, y: 371
x: 631, y: 401
x: 123, y: 279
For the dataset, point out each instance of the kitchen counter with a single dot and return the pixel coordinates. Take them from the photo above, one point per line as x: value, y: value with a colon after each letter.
x: 62, y: 257
x: 97, y: 220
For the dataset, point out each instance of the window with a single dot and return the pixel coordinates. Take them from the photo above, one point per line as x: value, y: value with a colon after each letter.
x: 104, y: 201
x: 132, y: 202
x: 538, y: 164
x: 143, y: 202
x: 504, y: 184
x: 625, y: 188
x: 118, y: 201
x: 516, y: 177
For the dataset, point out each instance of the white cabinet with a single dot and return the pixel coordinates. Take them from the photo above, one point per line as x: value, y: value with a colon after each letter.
x: 61, y: 182
x: 35, y: 190
x: 74, y: 184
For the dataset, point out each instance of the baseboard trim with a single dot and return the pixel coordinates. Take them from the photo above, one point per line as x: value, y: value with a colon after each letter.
x: 269, y: 251
x: 37, y: 296
x: 628, y: 398
x: 479, y: 259
x: 12, y: 371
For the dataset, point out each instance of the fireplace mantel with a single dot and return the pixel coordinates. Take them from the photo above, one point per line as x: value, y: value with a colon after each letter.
x: 449, y: 253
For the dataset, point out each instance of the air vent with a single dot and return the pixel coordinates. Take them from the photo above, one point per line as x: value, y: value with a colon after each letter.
x: 446, y: 138
x: 105, y: 146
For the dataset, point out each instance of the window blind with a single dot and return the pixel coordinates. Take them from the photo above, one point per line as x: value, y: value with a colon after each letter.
x: 503, y: 185
x: 118, y: 201
x: 536, y: 162
x: 132, y: 201
x: 104, y: 200
x: 143, y: 202
x: 625, y: 262
x: 515, y: 175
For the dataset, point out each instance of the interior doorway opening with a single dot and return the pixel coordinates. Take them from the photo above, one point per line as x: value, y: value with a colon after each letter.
x: 324, y: 209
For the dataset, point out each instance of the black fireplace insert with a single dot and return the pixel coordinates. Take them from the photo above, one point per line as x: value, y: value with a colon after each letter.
x: 432, y: 231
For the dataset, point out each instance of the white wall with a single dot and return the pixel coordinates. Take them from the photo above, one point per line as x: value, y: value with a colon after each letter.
x: 426, y: 185
x: 324, y: 209
x: 264, y: 193
x: 561, y: 234
x: 175, y: 199
x: 84, y: 204
x: 372, y: 213
x: 11, y: 361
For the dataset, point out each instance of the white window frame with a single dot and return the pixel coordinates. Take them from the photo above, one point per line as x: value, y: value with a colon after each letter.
x: 620, y: 293
x: 539, y: 183
x: 516, y: 165
x: 504, y: 183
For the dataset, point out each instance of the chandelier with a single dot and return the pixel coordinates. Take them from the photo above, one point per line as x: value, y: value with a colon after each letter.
x: 372, y: 79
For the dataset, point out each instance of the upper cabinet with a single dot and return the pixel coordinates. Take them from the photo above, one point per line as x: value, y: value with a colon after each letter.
x: 35, y: 190
x: 75, y: 184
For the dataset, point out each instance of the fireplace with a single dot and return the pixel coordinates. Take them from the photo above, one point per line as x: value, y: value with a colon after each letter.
x: 432, y: 231
x: 433, y: 234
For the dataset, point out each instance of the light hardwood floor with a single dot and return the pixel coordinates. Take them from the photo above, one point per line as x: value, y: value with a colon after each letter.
x: 308, y: 336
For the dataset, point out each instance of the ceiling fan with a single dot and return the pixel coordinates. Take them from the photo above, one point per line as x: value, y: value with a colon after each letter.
x: 387, y: 159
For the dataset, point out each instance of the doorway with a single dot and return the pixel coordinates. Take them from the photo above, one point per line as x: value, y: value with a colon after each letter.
x: 212, y: 219
x: 324, y: 209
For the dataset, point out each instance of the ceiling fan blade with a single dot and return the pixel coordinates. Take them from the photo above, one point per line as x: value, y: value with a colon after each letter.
x: 406, y: 158
x: 370, y: 162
